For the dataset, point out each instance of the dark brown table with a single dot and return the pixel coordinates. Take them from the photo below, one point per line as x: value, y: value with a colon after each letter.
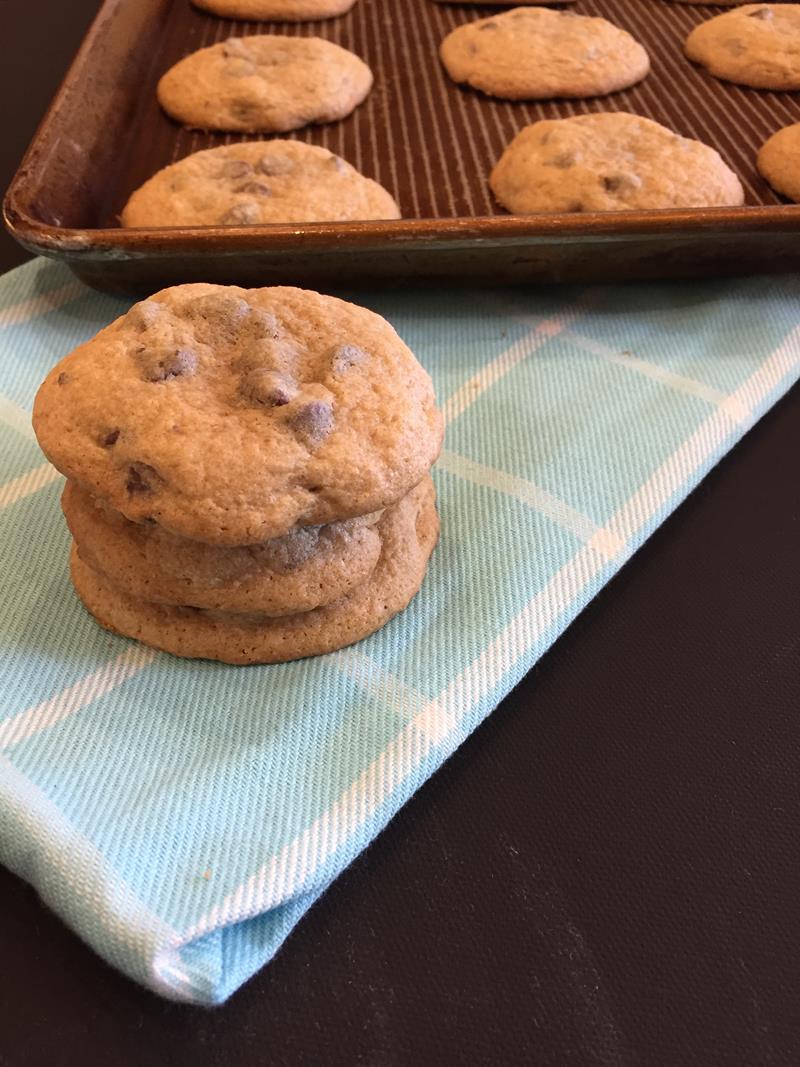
x: 607, y: 872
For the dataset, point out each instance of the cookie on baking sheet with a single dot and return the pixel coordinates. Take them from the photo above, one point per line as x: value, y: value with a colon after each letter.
x: 256, y: 183
x: 264, y: 84
x: 276, y: 10
x: 532, y: 53
x: 779, y: 161
x: 612, y: 161
x: 307, y: 567
x: 756, y: 45
x: 408, y: 532
x: 230, y: 415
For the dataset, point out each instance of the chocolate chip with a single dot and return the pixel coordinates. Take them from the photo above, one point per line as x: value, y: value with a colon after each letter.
x: 63, y: 378
x: 110, y: 438
x: 312, y: 422
x: 245, y: 214
x: 159, y: 364
x: 273, y: 164
x: 614, y: 183
x: 235, y: 46
x: 562, y: 161
x: 575, y: 206
x: 267, y: 387
x: 256, y: 188
x: 221, y: 309
x: 764, y: 13
x: 220, y: 316
x: 262, y: 325
x: 343, y: 357
x: 144, y: 314
x: 285, y: 554
x: 245, y: 111
x: 141, y: 477
x: 338, y: 163
x: 235, y: 168
x: 487, y: 26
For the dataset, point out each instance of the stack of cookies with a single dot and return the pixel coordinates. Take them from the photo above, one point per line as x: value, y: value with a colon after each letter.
x: 248, y: 471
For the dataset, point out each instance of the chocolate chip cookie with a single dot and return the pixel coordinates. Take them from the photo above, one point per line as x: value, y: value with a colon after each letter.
x: 257, y: 183
x: 756, y: 45
x: 408, y: 533
x: 308, y: 567
x: 779, y: 161
x: 531, y: 53
x: 610, y: 161
x: 264, y: 83
x: 230, y: 415
x: 276, y: 10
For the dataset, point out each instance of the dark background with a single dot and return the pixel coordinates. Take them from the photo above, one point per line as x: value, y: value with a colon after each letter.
x: 607, y: 872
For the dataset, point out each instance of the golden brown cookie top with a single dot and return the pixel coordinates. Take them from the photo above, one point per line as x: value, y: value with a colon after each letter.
x: 231, y: 415
x: 256, y: 183
x: 266, y: 83
x: 610, y: 161
x: 532, y: 53
x: 277, y: 10
x: 779, y: 161
x: 756, y: 45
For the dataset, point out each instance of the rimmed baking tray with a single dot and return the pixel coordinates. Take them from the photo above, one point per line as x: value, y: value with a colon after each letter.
x: 429, y: 142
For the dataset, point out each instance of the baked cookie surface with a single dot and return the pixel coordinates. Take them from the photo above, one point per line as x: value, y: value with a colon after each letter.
x: 265, y: 83
x: 532, y: 53
x: 408, y: 533
x: 230, y: 415
x: 276, y: 10
x: 257, y: 183
x: 308, y: 567
x: 779, y: 161
x: 611, y: 161
x: 755, y: 44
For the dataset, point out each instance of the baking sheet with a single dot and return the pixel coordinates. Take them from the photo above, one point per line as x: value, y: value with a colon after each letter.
x: 433, y: 144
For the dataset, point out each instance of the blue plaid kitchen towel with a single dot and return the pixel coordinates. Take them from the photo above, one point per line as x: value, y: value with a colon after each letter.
x: 182, y: 816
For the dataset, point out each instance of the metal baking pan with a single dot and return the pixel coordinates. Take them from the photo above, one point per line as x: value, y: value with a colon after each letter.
x: 430, y: 143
